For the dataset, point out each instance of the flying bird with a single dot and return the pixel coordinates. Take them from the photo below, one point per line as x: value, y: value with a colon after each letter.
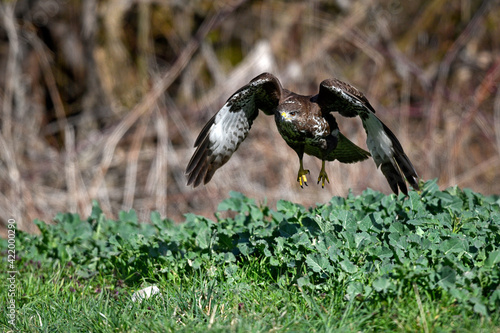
x: 307, y: 125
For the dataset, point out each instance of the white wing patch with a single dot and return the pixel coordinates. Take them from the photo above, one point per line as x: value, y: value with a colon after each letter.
x: 230, y: 128
x: 224, y: 132
x: 379, y: 144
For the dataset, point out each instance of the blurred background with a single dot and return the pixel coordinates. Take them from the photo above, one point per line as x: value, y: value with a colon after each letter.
x: 103, y: 99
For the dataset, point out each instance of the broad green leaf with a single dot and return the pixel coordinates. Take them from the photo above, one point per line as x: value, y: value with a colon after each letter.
x: 230, y: 270
x: 203, y: 236
x: 447, y: 277
x: 348, y: 266
x: 130, y: 216
x: 287, y: 229
x: 274, y: 261
x: 244, y: 249
x: 493, y: 259
x: 354, y: 289
x: 280, y: 244
x: 367, y: 222
x: 453, y: 245
x: 362, y: 239
x: 413, y: 202
x: 381, y: 284
x: 301, y: 238
x: 237, y: 202
x: 481, y: 309
x: 304, y: 282
x: 314, y: 263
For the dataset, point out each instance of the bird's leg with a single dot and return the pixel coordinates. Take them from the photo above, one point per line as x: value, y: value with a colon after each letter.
x: 322, y: 175
x: 301, y: 177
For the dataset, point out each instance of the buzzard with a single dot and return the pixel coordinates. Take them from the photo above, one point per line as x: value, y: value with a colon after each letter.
x: 307, y: 125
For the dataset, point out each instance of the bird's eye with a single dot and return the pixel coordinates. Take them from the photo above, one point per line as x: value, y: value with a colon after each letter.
x: 293, y: 113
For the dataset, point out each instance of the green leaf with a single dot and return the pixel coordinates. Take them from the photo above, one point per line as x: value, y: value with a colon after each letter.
x: 317, y: 263
x: 237, y: 202
x: 447, y: 277
x: 481, y: 309
x: 304, y: 282
x: 313, y: 263
x: 453, y: 245
x: 96, y: 211
x: 368, y: 221
x: 274, y: 261
x: 288, y: 208
x: 493, y: 259
x: 348, y: 266
x: 244, y: 249
x: 203, y: 237
x: 130, y: 216
x: 381, y: 284
x: 362, y: 239
x: 301, y: 239
x: 353, y: 290
x: 413, y: 202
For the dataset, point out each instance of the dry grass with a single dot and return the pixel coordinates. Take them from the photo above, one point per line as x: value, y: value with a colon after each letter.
x: 103, y: 99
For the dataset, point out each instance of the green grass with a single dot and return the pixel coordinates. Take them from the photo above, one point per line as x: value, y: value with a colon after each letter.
x: 429, y: 262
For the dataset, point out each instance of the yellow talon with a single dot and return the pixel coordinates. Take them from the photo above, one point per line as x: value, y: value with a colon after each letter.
x: 323, y: 175
x: 301, y: 177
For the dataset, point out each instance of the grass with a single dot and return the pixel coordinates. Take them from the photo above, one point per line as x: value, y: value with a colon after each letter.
x: 426, y: 263
x: 200, y: 304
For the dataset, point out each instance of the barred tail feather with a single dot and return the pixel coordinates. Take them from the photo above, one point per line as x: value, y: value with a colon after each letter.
x: 388, y: 153
x: 402, y: 161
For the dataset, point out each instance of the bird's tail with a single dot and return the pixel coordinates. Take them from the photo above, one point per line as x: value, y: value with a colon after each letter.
x: 388, y: 153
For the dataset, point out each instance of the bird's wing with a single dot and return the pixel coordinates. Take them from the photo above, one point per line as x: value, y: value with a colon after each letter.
x: 225, y: 131
x: 337, y: 96
x: 347, y: 152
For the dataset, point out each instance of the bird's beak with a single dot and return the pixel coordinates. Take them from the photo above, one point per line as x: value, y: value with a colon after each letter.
x: 284, y: 115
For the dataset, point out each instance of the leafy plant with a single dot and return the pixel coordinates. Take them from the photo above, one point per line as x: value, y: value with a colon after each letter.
x: 366, y: 252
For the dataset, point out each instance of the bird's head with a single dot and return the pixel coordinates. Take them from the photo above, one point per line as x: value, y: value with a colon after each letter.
x: 289, y: 115
x: 289, y: 111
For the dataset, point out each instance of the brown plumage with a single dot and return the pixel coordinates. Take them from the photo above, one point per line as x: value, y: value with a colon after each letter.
x: 307, y: 125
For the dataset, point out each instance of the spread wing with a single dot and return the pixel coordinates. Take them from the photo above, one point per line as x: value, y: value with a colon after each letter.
x: 387, y: 152
x: 225, y: 131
